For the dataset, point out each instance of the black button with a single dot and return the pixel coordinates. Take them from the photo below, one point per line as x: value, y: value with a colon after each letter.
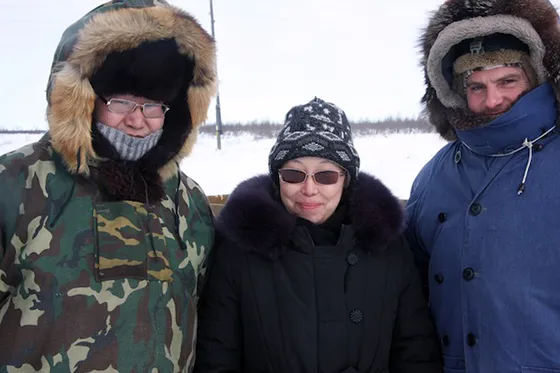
x: 475, y: 209
x: 468, y: 274
x: 438, y: 277
x: 538, y: 147
x: 471, y: 339
x: 445, y: 340
x: 356, y: 316
x: 352, y: 258
x: 441, y: 217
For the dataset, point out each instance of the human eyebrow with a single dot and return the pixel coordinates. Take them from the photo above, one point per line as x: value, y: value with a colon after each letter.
x: 509, y: 77
x: 474, y: 85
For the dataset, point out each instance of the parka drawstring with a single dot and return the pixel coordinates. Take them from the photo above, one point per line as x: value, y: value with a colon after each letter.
x: 529, y: 145
x: 526, y: 144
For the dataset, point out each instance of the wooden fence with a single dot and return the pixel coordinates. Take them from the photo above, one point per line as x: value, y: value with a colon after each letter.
x: 217, y: 202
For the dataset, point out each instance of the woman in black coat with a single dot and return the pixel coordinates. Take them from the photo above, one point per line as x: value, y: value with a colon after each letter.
x: 312, y: 273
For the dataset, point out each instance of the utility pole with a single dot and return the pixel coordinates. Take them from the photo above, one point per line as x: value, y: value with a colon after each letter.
x: 218, y: 110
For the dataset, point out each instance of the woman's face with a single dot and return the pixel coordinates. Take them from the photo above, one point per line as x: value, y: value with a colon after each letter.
x: 135, y: 123
x: 308, y: 199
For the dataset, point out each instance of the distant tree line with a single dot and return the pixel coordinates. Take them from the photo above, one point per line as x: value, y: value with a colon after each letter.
x: 262, y: 130
x: 18, y: 131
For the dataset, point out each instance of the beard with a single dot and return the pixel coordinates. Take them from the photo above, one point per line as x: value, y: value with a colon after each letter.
x: 464, y: 119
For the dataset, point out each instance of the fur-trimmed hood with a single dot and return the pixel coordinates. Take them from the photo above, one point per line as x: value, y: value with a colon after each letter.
x: 534, y: 22
x: 118, y: 26
x: 257, y: 221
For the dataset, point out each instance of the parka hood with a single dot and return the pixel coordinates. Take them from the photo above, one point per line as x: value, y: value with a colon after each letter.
x: 534, y: 22
x: 120, y: 26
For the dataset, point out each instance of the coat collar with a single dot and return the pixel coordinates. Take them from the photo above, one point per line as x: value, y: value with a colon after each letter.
x: 257, y: 221
x: 529, y: 118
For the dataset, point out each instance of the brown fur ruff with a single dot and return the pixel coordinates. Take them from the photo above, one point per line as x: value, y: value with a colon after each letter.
x: 540, y: 14
x: 72, y: 98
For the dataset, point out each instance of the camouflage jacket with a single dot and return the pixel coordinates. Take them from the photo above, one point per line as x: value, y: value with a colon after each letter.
x: 88, y: 285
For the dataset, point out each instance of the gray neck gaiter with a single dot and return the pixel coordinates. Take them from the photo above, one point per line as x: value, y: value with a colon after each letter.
x: 129, y: 148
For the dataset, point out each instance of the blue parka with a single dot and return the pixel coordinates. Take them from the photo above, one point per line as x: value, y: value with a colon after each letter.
x: 484, y: 223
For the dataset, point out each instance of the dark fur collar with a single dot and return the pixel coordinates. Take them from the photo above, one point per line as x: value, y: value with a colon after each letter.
x: 128, y: 180
x: 254, y: 218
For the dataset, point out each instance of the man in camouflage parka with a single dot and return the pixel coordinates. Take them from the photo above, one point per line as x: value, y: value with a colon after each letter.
x: 102, y: 258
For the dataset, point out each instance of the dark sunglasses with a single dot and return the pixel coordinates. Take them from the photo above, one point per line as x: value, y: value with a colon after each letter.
x: 292, y: 176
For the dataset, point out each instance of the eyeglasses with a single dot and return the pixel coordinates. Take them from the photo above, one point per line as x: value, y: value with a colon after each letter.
x: 124, y: 107
x: 292, y: 176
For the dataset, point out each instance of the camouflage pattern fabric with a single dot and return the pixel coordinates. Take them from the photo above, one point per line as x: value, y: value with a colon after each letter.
x: 88, y: 285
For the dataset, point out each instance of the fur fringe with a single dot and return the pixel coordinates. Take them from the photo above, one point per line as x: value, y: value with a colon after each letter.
x: 256, y: 220
x: 441, y: 106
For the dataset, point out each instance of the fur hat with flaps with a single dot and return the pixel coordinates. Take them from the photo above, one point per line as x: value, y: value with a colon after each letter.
x: 146, y: 48
x: 465, y: 35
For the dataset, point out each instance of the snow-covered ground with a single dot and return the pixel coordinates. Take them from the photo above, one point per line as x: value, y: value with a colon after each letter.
x: 394, y: 158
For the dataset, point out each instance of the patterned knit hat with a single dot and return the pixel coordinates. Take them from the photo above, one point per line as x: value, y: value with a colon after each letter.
x: 316, y: 129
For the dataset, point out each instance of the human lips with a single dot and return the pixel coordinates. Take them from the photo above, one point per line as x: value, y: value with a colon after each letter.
x: 137, y: 135
x: 309, y: 206
x: 495, y: 113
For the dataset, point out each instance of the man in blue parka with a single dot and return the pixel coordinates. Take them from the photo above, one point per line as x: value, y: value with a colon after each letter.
x: 484, y: 213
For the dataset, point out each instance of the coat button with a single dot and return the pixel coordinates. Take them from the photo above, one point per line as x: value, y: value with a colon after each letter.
x: 458, y: 156
x: 445, y: 340
x: 475, y: 209
x: 468, y: 274
x: 438, y: 277
x: 471, y: 339
x: 352, y: 258
x: 356, y: 316
x: 442, y: 216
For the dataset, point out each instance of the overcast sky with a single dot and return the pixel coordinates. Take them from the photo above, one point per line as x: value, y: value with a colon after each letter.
x: 360, y: 54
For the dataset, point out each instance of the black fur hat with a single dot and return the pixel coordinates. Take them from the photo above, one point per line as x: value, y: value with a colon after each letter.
x: 157, y: 71
x: 154, y: 70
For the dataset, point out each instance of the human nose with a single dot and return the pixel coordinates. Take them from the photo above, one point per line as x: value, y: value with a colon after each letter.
x: 309, y: 186
x: 135, y: 118
x: 494, y: 98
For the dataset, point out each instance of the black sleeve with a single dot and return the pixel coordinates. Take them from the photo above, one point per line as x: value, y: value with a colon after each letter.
x: 421, y: 256
x: 415, y: 347
x: 219, y: 344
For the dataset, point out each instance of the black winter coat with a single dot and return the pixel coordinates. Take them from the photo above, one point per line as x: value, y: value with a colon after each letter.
x: 275, y: 302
